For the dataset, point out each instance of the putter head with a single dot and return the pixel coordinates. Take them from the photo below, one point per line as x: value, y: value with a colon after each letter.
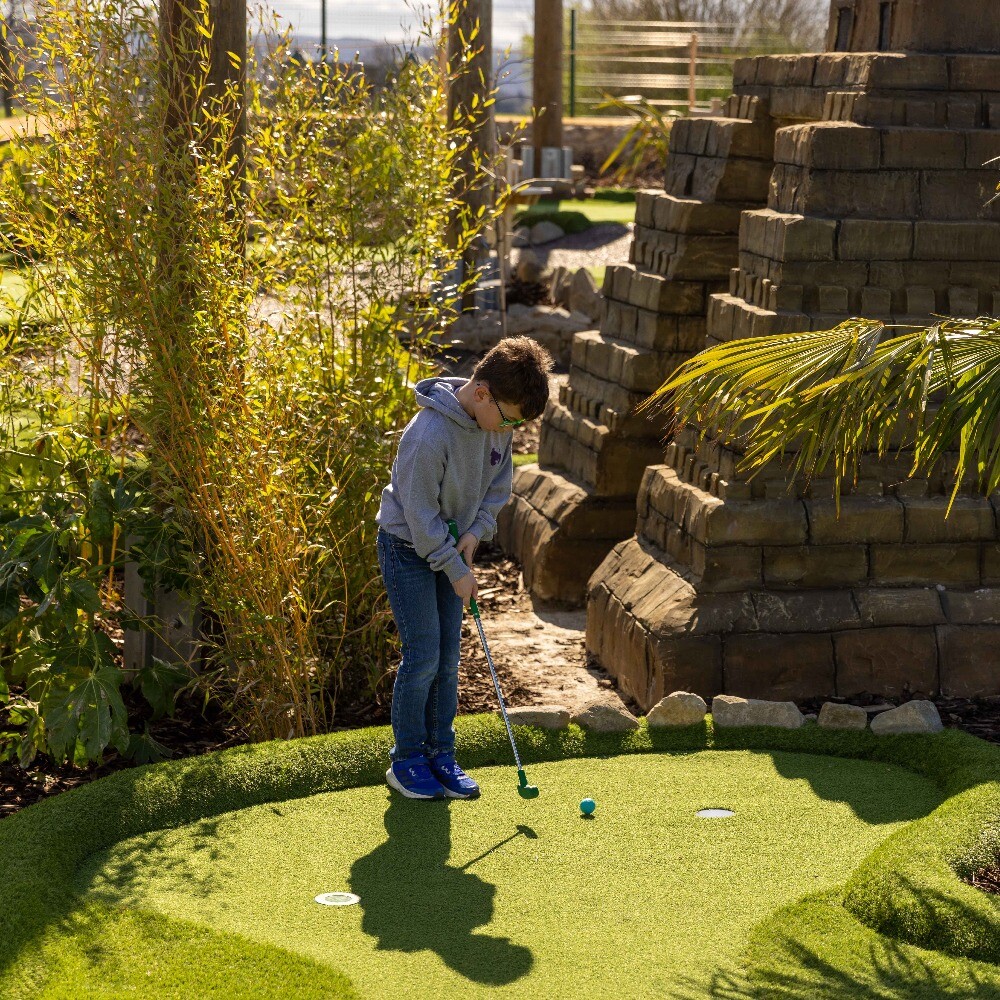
x: 525, y: 790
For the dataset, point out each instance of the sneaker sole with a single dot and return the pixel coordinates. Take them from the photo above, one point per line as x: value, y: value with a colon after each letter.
x: 393, y: 782
x: 460, y: 795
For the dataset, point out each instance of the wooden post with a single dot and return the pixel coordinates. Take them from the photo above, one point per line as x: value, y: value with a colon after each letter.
x: 692, y: 73
x: 547, y: 78
x: 470, y: 56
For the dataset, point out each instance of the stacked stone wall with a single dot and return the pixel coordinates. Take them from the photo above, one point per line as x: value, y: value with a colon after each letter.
x: 595, y: 446
x: 764, y: 587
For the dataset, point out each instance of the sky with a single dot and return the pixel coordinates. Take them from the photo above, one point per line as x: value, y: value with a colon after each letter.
x: 383, y: 18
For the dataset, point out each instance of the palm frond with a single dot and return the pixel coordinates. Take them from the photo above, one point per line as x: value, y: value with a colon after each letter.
x: 830, y: 397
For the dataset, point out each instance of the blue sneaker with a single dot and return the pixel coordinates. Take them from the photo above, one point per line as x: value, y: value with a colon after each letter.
x: 413, y: 778
x: 456, y: 783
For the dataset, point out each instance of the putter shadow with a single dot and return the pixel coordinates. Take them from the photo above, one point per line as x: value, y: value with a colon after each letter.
x: 413, y: 900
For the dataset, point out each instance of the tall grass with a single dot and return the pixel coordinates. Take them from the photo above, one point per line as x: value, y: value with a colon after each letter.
x: 242, y: 318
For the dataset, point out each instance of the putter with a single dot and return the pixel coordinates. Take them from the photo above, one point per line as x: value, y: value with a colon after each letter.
x: 525, y: 790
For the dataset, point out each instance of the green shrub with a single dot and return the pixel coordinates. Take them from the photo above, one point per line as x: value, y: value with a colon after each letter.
x: 238, y: 328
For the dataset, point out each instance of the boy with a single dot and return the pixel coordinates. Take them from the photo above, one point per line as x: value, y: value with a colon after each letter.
x: 454, y: 462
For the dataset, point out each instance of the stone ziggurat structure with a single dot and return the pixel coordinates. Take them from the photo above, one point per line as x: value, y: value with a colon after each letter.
x: 844, y: 183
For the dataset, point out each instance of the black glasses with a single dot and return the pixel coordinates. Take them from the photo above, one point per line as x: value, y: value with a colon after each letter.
x: 504, y: 421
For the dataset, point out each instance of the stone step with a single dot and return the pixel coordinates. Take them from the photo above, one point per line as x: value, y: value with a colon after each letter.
x: 635, y: 370
x: 559, y: 532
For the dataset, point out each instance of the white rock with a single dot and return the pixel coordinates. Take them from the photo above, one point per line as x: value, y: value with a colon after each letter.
x: 835, y: 716
x: 543, y: 716
x: 521, y: 237
x: 557, y: 282
x: 682, y: 708
x: 728, y: 710
x: 913, y: 717
x: 605, y: 718
x: 545, y: 232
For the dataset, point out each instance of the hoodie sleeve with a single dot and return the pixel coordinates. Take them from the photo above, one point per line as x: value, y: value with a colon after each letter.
x: 420, y: 465
x: 485, y: 523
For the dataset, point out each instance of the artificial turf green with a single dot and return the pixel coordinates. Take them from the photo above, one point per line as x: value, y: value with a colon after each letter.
x: 501, y: 897
x: 902, y: 924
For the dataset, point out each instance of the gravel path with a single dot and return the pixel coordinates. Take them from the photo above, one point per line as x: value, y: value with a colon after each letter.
x: 604, y: 244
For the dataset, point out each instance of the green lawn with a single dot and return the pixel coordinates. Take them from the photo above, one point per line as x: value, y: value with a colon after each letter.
x: 834, y: 879
x: 506, y: 898
x: 579, y: 215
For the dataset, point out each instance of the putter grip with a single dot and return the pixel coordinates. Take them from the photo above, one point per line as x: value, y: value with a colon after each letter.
x: 453, y: 528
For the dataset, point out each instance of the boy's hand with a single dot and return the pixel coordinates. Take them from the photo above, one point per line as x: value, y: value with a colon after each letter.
x: 466, y: 588
x: 467, y: 547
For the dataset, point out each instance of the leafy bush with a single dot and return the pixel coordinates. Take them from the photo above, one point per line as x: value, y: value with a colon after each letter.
x: 233, y: 319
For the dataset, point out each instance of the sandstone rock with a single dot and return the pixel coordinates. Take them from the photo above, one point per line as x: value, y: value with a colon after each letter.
x: 583, y: 294
x: 558, y: 285
x: 834, y: 716
x: 529, y: 267
x: 604, y: 718
x: 543, y: 716
x: 913, y: 717
x: 678, y: 709
x: 728, y: 710
x: 545, y: 232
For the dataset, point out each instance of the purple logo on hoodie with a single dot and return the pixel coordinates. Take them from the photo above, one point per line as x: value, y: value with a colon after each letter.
x: 495, y: 457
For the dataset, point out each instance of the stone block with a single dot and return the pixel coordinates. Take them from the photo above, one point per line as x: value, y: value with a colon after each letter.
x: 828, y: 146
x: 794, y: 666
x: 920, y: 301
x: 681, y: 708
x: 834, y: 716
x: 860, y: 519
x: 712, y: 522
x: 542, y: 716
x: 833, y: 299
x: 875, y: 239
x: 970, y: 519
x: 814, y: 565
x: 911, y: 717
x: 972, y: 607
x: 963, y: 301
x: 727, y: 568
x: 956, y: 241
x: 930, y: 149
x: 835, y: 194
x: 805, y: 611
x: 887, y: 661
x: 956, y: 563
x: 876, y: 302
x: 968, y: 660
x: 880, y: 606
x: 981, y: 147
x: 604, y: 718
x: 959, y: 194
x: 730, y: 711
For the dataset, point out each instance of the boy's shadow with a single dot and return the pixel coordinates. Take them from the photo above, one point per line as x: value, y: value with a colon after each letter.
x: 413, y: 899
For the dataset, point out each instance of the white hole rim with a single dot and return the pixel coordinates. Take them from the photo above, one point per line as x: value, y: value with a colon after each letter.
x: 714, y: 813
x: 337, y: 899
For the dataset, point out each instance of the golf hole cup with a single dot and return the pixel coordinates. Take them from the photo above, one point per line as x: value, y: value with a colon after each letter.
x: 587, y: 807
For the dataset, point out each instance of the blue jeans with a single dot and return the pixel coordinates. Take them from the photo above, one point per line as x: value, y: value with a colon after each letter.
x: 428, y: 614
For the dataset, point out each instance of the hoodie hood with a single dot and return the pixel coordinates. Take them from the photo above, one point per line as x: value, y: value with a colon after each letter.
x: 438, y: 393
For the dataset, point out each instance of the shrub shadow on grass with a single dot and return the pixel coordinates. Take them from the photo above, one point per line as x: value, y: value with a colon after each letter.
x: 414, y: 900
x: 115, y: 876
x: 815, y: 950
x: 842, y: 780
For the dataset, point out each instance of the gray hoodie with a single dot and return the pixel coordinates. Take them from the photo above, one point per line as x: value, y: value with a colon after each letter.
x: 447, y: 466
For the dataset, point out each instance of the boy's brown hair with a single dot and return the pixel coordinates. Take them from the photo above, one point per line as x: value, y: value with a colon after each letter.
x: 517, y: 372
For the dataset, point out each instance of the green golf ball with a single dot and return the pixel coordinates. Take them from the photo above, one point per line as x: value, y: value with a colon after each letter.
x: 587, y: 806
